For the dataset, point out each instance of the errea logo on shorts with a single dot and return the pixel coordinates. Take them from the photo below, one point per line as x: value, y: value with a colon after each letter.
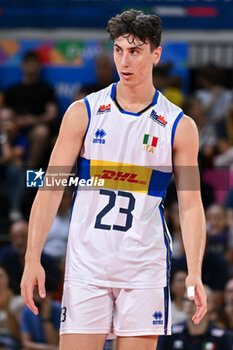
x: 158, y: 317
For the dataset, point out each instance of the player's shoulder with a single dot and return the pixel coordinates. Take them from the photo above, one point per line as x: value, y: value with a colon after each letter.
x: 76, y: 106
x: 187, y: 125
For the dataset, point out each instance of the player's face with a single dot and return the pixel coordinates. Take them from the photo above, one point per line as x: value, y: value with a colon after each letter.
x: 134, y: 60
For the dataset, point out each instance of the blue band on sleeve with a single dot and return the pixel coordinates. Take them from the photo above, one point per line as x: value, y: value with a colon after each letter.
x: 89, y: 114
x: 175, y: 125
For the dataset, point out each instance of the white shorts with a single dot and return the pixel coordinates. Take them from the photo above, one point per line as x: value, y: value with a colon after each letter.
x: 92, y: 309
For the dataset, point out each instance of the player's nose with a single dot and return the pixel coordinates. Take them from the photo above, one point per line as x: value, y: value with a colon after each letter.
x: 125, y: 60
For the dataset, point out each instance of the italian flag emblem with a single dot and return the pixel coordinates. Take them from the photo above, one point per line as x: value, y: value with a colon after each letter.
x: 150, y: 140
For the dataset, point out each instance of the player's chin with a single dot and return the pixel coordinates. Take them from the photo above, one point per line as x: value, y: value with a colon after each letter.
x: 129, y: 82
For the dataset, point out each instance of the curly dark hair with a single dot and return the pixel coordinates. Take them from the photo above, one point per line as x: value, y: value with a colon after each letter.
x: 137, y: 24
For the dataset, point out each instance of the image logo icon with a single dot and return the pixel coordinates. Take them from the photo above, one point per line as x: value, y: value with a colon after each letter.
x: 35, y: 178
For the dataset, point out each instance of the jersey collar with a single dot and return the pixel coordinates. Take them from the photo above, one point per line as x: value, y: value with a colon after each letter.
x: 113, y: 97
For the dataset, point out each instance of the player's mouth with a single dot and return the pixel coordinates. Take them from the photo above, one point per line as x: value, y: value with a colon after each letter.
x: 126, y: 75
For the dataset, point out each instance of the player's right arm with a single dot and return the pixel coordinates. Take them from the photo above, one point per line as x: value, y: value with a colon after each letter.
x: 46, y: 203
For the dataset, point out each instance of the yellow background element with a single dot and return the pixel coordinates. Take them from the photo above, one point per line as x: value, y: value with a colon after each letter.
x: 143, y: 175
x: 11, y: 47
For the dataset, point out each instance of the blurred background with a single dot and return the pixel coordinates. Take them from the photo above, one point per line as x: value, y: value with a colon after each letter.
x: 53, y: 52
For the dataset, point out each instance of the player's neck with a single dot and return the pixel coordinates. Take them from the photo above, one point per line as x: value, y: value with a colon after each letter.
x: 138, y: 95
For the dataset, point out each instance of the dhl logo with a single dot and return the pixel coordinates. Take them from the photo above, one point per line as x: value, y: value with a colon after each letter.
x: 103, y: 109
x: 121, y: 176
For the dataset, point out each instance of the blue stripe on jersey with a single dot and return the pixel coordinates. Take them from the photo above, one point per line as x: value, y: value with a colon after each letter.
x: 89, y: 114
x: 84, y: 168
x: 113, y: 91
x: 175, y: 125
x: 73, y: 201
x: 159, y: 182
x: 155, y: 99
x: 166, y: 308
x: 83, y: 172
x: 167, y: 244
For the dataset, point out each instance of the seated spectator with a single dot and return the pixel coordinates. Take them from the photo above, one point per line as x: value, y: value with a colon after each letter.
x: 177, y: 292
x: 214, y: 98
x: 228, y: 302
x: 205, y: 335
x: 229, y: 199
x: 10, y: 313
x: 12, y: 257
x: 56, y: 242
x: 105, y: 74
x: 207, y: 134
x: 170, y: 85
x: 1, y: 98
x: 223, y: 316
x: 224, y: 128
x: 217, y: 232
x: 214, y: 272
x: 13, y: 150
x: 224, y: 131
x: 174, y: 91
x: 229, y: 253
x: 41, y: 331
x: 36, y: 109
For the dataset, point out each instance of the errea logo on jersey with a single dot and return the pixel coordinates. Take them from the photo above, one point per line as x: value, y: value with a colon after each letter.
x: 104, y: 109
x: 158, y: 118
x: 99, y: 136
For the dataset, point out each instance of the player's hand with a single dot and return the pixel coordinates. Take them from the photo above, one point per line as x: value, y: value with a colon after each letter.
x: 33, y: 275
x: 199, y: 298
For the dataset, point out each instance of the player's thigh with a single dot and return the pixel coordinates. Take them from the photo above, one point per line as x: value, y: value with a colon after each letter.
x: 82, y: 341
x: 147, y: 342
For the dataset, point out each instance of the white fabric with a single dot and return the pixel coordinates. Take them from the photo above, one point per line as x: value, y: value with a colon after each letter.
x: 93, y: 309
x: 136, y: 258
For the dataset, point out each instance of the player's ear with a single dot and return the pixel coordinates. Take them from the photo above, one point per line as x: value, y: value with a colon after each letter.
x: 157, y: 54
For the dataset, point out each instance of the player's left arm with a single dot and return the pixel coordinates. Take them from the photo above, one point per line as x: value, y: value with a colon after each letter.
x: 192, y: 217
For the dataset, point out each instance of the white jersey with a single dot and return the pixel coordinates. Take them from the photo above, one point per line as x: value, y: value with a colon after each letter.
x: 118, y: 237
